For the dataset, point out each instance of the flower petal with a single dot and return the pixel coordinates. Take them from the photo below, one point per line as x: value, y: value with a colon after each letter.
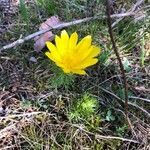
x: 51, y: 46
x: 93, y: 51
x: 84, y: 44
x: 58, y: 42
x: 54, y: 56
x: 78, y: 71
x: 83, y: 47
x: 64, y: 35
x: 66, y: 70
x: 64, y: 41
x: 86, y: 63
x: 73, y: 40
x: 49, y: 55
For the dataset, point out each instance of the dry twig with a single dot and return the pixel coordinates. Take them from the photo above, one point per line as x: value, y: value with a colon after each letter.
x: 60, y: 26
x: 118, y: 57
x: 139, y: 98
x: 132, y: 10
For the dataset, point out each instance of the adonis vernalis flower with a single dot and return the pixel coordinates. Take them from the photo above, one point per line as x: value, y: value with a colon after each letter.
x: 72, y: 56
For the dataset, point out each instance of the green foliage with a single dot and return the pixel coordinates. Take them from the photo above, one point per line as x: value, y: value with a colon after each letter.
x: 104, y: 58
x: 120, y: 93
x: 42, y: 134
x: 121, y: 130
x: 49, y: 6
x: 83, y: 108
x: 107, y: 145
x: 131, y: 32
x: 24, y: 12
x: 26, y: 104
x: 126, y: 64
x: 61, y: 79
x: 109, y: 116
x: 144, y: 52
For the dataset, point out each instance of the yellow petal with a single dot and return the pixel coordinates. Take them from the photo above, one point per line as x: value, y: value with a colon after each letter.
x: 66, y: 70
x: 51, y: 46
x: 73, y: 40
x: 59, y: 64
x: 59, y: 45
x: 92, y: 52
x: 84, y: 44
x: 57, y: 41
x: 86, y: 63
x: 64, y: 41
x: 83, y: 47
x: 78, y: 71
x: 49, y: 55
x: 53, y: 56
x: 64, y: 35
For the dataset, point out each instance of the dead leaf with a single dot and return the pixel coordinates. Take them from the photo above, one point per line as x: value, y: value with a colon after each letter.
x: 49, y: 36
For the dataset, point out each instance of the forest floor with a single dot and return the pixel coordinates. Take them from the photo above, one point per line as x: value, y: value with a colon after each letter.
x: 43, y: 108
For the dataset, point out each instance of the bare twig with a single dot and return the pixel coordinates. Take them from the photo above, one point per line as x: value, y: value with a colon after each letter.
x: 31, y: 36
x: 118, y: 57
x: 139, y: 98
x: 60, y: 26
x: 138, y: 3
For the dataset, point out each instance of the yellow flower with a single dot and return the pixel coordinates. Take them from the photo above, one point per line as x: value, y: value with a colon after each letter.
x: 71, y: 56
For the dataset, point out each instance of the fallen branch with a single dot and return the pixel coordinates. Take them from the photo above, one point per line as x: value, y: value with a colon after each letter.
x: 138, y: 3
x: 60, y: 26
x: 31, y: 36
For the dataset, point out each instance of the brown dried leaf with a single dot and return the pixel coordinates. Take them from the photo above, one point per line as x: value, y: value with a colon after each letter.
x: 40, y: 40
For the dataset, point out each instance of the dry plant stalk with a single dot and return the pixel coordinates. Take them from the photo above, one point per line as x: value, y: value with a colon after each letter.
x: 118, y: 57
